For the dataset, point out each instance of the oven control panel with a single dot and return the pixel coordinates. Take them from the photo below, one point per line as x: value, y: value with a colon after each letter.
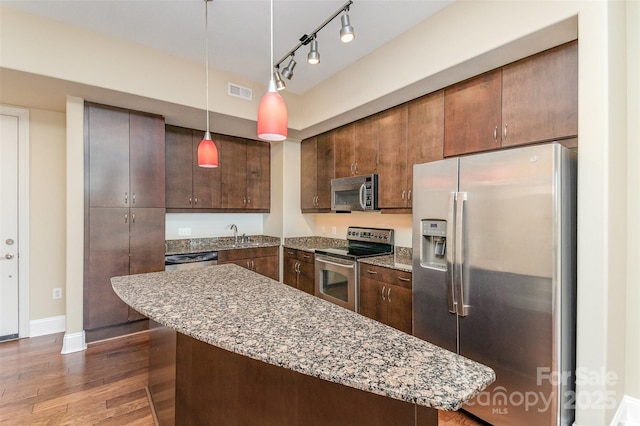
x: 374, y: 235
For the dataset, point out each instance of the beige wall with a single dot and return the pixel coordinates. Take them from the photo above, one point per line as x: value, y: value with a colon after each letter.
x: 47, y: 212
x: 462, y: 40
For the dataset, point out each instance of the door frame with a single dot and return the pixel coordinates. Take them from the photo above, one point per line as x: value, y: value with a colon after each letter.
x: 23, y: 212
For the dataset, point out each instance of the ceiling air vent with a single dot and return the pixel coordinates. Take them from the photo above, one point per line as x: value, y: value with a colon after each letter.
x: 239, y: 91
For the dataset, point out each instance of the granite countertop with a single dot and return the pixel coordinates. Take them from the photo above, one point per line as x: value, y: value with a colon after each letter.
x: 195, y: 245
x: 238, y: 310
x: 392, y: 261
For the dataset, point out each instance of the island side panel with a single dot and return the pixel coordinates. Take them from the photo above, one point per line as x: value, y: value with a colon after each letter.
x: 215, y: 386
x: 162, y: 372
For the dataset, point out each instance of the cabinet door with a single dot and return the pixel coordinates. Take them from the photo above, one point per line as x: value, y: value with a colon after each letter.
x: 344, y: 151
x: 267, y: 266
x: 366, y: 146
x: 392, y: 158
x: 472, y: 114
x: 308, y: 174
x: 146, y: 241
x: 178, y: 167
x: 107, y: 135
x: 306, y: 277
x: 540, y: 97
x: 289, y: 268
x: 325, y: 169
x: 425, y: 133
x: 371, y: 303
x: 399, y: 305
x: 146, y: 160
x: 258, y: 175
x: 206, y: 180
x: 108, y: 256
x: 233, y: 166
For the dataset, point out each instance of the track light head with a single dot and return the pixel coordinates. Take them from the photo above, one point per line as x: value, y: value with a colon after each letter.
x: 279, y: 83
x: 347, y: 33
x: 287, y: 72
x: 314, y: 56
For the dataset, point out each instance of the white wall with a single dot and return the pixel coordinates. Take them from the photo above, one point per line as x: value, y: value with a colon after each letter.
x: 202, y: 225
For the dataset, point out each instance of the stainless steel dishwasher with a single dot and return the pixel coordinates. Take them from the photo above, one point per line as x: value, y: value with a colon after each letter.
x: 190, y: 260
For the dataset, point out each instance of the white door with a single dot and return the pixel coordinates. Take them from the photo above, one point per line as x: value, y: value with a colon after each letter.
x: 8, y: 227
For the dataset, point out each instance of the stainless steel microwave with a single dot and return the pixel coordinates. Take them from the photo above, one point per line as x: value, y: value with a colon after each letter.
x: 355, y: 193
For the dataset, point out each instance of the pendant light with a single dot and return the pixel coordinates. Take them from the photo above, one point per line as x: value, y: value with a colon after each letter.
x: 207, y: 150
x: 272, y: 111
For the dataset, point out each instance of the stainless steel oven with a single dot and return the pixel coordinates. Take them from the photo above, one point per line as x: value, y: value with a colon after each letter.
x: 336, y: 277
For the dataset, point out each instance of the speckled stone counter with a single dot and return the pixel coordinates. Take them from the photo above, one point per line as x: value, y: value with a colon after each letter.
x: 245, y: 313
x: 195, y: 245
x: 392, y: 261
x: 312, y: 243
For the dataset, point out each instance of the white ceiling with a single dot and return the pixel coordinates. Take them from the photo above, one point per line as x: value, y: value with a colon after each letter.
x: 239, y: 29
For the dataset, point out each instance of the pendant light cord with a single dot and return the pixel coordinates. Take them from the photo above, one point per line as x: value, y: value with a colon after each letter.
x: 271, y: 59
x: 206, y: 54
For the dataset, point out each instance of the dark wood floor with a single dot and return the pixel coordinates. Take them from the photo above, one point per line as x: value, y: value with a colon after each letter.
x: 104, y: 385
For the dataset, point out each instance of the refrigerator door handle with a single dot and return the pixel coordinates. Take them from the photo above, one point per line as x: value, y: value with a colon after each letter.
x: 450, y: 253
x: 461, y: 198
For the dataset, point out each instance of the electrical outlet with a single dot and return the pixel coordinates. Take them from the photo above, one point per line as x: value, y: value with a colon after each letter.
x: 333, y: 230
x: 184, y: 232
x: 57, y: 293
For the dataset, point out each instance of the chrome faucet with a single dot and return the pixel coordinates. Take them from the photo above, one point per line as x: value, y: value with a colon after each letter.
x: 235, y: 233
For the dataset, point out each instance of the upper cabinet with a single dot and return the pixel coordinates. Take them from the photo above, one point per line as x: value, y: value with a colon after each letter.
x: 356, y: 148
x: 540, y: 97
x: 531, y: 100
x: 125, y: 157
x: 241, y: 182
x: 392, y: 158
x: 187, y: 185
x: 316, y: 172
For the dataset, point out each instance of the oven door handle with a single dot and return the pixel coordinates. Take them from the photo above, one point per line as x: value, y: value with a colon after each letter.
x: 328, y: 262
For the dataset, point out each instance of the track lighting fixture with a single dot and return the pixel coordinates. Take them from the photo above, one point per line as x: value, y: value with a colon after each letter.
x: 314, y: 56
x: 279, y: 83
x: 347, y: 34
x: 287, y: 72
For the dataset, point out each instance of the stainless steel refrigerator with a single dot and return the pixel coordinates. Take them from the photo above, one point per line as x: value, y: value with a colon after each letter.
x: 494, y: 275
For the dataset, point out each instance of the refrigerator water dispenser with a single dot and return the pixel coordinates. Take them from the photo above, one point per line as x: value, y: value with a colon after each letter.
x: 434, y: 244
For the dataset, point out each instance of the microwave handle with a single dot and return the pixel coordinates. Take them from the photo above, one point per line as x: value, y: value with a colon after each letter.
x: 362, y: 189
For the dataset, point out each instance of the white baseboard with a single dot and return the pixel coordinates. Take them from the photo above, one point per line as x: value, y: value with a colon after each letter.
x: 44, y: 326
x: 628, y: 413
x: 73, y: 342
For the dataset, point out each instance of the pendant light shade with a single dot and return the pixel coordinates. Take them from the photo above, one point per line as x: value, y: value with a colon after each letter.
x: 272, y: 111
x: 207, y: 152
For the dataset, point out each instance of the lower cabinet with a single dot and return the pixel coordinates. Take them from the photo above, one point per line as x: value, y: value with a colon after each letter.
x: 385, y: 296
x: 299, y: 269
x: 120, y: 241
x: 263, y: 260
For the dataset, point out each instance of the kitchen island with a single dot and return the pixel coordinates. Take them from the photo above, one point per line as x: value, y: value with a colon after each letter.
x: 242, y: 348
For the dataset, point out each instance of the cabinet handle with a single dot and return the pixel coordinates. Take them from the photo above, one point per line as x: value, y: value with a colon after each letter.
x: 306, y: 256
x: 133, y: 198
x: 248, y: 200
x: 404, y: 279
x: 403, y: 192
x: 369, y: 271
x: 383, y: 288
x: 289, y: 252
x: 409, y: 196
x: 126, y: 218
x: 126, y: 198
x: 190, y: 201
x: 195, y: 201
x: 389, y: 295
x: 505, y: 131
x: 248, y: 264
x: 356, y: 168
x: 133, y: 218
x: 253, y: 265
x: 495, y: 133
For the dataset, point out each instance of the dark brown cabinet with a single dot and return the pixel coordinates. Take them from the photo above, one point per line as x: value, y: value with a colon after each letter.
x: 246, y: 174
x: 532, y: 100
x: 385, y: 295
x: 299, y: 270
x: 392, y: 158
x: 540, y: 97
x: 263, y: 260
x: 316, y: 171
x: 356, y: 148
x: 124, y: 211
x: 187, y: 185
